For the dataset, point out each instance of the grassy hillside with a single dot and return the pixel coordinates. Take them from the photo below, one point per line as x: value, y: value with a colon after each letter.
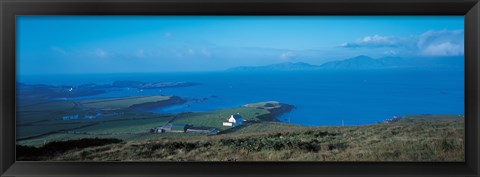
x: 46, y: 106
x: 430, y: 117
x: 416, y: 140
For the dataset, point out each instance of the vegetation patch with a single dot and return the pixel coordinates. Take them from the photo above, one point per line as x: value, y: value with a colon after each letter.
x: 413, y: 141
x: 31, y: 153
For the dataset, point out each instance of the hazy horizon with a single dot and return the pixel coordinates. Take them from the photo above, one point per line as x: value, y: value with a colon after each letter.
x: 146, y: 44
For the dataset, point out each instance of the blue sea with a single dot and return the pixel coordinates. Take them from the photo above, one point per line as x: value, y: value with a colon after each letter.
x: 320, y: 97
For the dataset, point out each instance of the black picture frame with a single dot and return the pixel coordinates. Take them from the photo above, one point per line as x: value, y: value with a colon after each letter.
x: 9, y: 9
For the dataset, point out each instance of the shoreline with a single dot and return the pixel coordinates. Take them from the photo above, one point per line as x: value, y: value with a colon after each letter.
x: 148, y: 106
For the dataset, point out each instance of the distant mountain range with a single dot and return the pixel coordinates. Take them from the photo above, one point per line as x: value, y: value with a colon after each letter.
x: 362, y: 62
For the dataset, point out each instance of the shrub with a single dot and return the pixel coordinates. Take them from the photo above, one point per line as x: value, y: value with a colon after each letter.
x: 58, y: 147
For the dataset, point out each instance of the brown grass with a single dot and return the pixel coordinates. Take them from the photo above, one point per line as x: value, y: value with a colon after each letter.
x: 402, y: 141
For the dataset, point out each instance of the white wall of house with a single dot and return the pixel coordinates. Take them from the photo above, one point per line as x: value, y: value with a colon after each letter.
x: 232, y: 121
x: 228, y: 124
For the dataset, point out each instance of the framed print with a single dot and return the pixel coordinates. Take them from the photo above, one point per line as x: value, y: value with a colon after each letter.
x: 255, y: 88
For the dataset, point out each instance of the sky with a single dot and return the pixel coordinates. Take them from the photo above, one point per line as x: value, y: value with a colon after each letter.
x: 130, y: 44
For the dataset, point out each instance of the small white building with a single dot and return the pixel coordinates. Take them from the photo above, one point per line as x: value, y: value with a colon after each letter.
x: 234, y: 120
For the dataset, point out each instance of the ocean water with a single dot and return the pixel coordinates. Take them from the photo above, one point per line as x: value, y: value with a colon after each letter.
x: 319, y: 97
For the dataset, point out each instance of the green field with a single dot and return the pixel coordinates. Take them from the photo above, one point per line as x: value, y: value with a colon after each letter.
x: 43, y: 117
x: 126, y: 123
x: 267, y: 105
x: 46, y: 110
x: 48, y: 106
x: 126, y: 126
x: 216, y: 118
x: 121, y: 103
x: 39, y: 129
x: 33, y: 117
x: 136, y: 123
x: 136, y: 137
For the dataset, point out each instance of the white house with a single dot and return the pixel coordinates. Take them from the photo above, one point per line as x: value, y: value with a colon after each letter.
x: 234, y: 120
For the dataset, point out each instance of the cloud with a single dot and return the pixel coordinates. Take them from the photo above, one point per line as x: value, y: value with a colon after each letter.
x: 430, y: 43
x: 58, y: 50
x: 441, y: 43
x: 179, y: 53
x: 443, y: 49
x: 287, y: 55
x: 101, y: 53
x: 390, y: 52
x: 140, y: 53
x: 176, y: 53
x: 372, y: 41
x: 206, y: 52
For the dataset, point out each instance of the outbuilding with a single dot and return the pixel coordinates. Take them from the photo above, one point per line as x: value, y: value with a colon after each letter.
x: 176, y: 128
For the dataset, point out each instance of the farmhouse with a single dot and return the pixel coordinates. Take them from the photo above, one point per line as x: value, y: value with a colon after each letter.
x: 175, y: 128
x: 181, y: 128
x: 234, y: 120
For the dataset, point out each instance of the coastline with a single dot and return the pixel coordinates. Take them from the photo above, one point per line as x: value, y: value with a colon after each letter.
x: 173, y: 100
x: 275, y: 109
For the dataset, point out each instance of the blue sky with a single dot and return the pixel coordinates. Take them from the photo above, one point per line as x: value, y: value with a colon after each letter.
x: 116, y: 44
